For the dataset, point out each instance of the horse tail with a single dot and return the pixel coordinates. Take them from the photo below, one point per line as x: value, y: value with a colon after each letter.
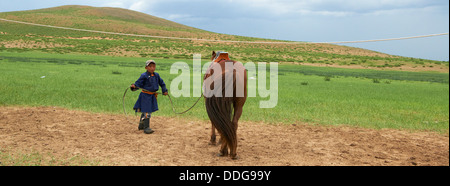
x: 219, y: 111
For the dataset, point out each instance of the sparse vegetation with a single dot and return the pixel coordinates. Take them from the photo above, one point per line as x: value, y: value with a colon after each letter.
x: 9, y: 157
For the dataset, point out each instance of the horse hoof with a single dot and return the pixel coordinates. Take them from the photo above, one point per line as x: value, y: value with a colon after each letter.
x: 221, y: 154
x: 212, y: 143
x: 235, y: 157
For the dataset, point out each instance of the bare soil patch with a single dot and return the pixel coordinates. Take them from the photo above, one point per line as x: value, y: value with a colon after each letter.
x: 176, y: 142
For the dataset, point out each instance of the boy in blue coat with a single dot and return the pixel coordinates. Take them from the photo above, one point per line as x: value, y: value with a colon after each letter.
x: 147, y: 104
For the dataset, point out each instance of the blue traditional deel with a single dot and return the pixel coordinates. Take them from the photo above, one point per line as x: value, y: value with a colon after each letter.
x: 147, y: 102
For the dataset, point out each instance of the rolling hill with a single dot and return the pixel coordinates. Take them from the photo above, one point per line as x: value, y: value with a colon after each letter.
x: 21, y: 37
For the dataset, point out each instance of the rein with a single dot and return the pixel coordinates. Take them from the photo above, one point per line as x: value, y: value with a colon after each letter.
x: 171, y: 102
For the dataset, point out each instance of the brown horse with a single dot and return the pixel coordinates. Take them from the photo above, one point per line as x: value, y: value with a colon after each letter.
x: 219, y: 107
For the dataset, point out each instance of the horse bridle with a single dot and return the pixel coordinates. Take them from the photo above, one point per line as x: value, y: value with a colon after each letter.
x: 218, y: 55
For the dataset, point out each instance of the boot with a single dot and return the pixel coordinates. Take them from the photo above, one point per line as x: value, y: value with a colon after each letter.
x: 141, y: 122
x: 141, y: 125
x: 147, y: 129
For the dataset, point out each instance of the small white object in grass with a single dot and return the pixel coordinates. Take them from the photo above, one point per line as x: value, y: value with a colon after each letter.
x: 42, y: 77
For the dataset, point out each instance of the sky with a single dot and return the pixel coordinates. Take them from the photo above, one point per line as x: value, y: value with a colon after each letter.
x: 299, y: 20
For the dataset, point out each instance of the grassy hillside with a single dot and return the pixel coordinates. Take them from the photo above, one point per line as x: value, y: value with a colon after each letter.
x: 19, y: 37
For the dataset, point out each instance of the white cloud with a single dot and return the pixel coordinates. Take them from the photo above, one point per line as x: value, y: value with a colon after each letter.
x: 269, y: 9
x: 178, y: 16
x: 114, y: 4
x: 137, y: 5
x: 333, y: 7
x: 405, y: 11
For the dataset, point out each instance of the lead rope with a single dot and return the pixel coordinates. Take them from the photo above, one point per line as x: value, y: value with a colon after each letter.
x: 171, y: 102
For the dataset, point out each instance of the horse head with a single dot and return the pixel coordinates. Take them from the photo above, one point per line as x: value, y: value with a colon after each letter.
x: 220, y: 55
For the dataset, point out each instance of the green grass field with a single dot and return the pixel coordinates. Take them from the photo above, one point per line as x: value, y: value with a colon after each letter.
x: 315, y: 95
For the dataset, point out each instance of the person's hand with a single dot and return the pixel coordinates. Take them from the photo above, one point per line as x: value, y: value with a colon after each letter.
x: 133, y: 88
x: 166, y: 93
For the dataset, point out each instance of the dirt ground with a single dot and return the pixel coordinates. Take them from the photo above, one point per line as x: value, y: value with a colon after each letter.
x: 114, y: 141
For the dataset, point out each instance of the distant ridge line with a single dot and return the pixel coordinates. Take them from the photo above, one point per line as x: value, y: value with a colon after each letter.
x: 223, y: 41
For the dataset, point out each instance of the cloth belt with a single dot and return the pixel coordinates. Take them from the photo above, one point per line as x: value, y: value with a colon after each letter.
x: 151, y: 93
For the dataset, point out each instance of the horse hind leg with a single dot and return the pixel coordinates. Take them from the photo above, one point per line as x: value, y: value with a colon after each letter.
x: 238, y: 109
x: 213, y: 138
x: 233, y: 145
x: 212, y: 141
x: 223, y: 150
x: 233, y: 151
x: 221, y: 140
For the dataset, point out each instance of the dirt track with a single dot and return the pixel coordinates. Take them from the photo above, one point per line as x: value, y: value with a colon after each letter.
x: 111, y: 139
